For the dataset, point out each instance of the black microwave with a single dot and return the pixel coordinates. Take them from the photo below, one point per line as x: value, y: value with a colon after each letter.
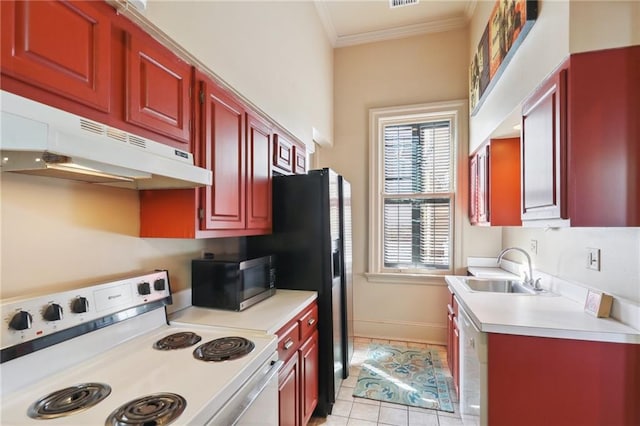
x: 232, y: 282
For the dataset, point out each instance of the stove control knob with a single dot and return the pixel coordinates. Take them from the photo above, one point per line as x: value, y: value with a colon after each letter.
x: 53, y: 312
x: 80, y: 305
x: 144, y: 289
x: 159, y: 284
x: 21, y: 321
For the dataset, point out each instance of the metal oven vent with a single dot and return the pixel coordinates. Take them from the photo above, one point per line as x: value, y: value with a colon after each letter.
x: 137, y: 141
x: 90, y: 126
x: 116, y: 134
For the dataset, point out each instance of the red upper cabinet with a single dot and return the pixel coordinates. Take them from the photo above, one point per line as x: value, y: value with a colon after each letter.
x: 288, y: 157
x: 61, y: 47
x: 283, y: 155
x: 157, y: 89
x: 236, y: 147
x: 603, y: 125
x: 580, y: 138
x: 495, y: 183
x: 223, y: 121
x: 258, y: 174
x: 300, y: 159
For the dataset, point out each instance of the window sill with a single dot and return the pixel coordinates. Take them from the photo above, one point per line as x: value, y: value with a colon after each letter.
x: 398, y: 278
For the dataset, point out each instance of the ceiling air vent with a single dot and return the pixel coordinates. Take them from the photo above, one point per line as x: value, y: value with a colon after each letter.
x: 399, y: 3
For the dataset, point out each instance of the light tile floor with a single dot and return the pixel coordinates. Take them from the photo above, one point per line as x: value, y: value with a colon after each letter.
x: 353, y: 411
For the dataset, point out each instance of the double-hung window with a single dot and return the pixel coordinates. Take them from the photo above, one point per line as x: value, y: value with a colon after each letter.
x: 413, y: 189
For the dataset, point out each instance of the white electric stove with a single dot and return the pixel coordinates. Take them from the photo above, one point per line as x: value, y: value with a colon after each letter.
x: 101, y: 352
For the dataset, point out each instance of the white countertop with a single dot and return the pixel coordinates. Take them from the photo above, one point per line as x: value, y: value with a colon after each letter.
x: 267, y: 316
x: 538, y: 315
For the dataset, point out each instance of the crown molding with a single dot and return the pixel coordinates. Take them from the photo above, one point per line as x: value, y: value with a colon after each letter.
x: 401, y: 32
x: 471, y: 7
x: 327, y: 23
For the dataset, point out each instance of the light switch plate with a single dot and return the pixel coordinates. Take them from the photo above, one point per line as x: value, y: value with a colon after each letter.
x: 593, y: 258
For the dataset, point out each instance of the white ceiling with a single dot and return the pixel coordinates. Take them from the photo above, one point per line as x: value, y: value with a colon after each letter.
x: 350, y: 22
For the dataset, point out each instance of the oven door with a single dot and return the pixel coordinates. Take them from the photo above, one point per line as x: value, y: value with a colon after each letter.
x: 256, y: 402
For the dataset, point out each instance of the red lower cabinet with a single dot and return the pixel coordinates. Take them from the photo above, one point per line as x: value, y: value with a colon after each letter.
x: 298, y: 378
x: 309, y: 376
x: 288, y: 394
x: 453, y: 341
x: 543, y: 381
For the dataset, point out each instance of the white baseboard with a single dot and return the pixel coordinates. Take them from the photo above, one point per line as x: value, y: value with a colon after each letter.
x: 412, y: 332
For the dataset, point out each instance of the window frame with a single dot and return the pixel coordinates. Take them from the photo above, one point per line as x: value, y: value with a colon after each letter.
x: 456, y: 112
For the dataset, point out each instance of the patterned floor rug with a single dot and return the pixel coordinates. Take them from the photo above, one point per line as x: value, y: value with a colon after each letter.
x: 406, y: 376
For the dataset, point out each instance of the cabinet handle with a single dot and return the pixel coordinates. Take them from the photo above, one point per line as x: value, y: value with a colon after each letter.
x: 288, y: 344
x: 311, y: 321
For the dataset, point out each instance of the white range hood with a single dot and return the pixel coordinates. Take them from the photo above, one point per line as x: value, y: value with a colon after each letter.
x: 41, y: 140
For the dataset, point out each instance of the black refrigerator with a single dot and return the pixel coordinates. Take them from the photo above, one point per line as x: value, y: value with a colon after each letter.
x: 311, y: 239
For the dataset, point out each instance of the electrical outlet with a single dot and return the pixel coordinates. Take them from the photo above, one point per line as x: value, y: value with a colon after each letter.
x: 534, y: 246
x: 593, y: 258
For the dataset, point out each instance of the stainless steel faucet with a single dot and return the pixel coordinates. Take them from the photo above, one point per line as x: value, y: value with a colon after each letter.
x: 535, y: 284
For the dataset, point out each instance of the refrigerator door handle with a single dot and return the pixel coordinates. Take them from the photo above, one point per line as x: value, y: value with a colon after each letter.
x: 336, y: 263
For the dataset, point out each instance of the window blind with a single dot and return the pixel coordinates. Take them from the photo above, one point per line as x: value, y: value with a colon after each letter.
x: 417, y: 211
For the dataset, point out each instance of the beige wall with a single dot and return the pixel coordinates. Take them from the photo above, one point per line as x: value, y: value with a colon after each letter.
x: 592, y: 25
x: 414, y: 70
x: 275, y: 54
x: 563, y: 27
x: 59, y: 234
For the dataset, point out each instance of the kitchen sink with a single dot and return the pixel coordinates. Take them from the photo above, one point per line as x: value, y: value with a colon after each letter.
x: 496, y: 286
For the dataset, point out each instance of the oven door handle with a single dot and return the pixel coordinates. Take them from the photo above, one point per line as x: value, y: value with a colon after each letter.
x: 244, y: 405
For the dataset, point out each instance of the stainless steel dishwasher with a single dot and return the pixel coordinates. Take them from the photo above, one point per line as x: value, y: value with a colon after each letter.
x: 473, y: 372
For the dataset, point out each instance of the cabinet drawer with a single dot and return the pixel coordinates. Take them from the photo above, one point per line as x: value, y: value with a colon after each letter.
x: 308, y: 322
x: 288, y: 342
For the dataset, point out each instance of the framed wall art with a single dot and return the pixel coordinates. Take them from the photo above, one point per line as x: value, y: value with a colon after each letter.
x: 509, y: 23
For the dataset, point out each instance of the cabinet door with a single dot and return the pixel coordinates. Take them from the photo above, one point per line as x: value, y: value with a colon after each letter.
x: 157, y: 89
x: 282, y: 154
x: 60, y: 46
x: 258, y: 174
x: 544, y: 151
x: 288, y: 399
x: 455, y: 367
x: 483, y: 185
x: 473, y: 189
x: 300, y: 160
x: 224, y: 154
x: 309, y: 377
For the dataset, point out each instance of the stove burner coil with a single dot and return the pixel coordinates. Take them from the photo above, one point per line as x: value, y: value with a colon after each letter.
x: 69, y: 401
x: 177, y: 341
x: 151, y: 410
x: 223, y: 349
